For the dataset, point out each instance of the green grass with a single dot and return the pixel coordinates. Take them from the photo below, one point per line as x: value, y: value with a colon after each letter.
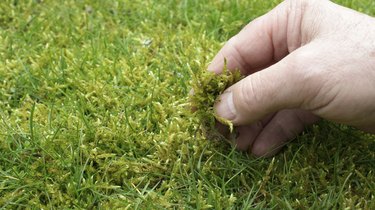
x: 94, y: 113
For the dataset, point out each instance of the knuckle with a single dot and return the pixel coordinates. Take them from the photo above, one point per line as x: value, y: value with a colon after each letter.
x: 284, y: 130
x: 235, y: 55
x: 312, y: 78
x: 299, y: 69
x: 300, y: 4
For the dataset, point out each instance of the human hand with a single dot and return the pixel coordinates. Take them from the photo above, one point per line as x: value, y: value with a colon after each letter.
x: 305, y: 60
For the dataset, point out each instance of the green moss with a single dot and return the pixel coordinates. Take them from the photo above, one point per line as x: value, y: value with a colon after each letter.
x: 95, y: 114
x: 207, y: 87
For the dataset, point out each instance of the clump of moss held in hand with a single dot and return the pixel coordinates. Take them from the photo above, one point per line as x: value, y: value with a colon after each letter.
x: 207, y: 87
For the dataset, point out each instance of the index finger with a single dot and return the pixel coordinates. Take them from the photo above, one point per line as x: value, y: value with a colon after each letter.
x: 262, y: 42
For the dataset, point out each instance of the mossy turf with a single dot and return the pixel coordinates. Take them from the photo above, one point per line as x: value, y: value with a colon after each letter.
x: 206, y: 89
x: 94, y: 113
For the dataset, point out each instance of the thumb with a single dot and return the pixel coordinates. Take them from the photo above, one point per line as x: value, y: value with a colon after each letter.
x: 280, y: 86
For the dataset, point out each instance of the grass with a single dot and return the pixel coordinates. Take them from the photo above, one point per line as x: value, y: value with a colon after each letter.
x: 94, y: 113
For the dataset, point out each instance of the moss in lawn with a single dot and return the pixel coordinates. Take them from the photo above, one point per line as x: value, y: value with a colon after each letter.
x: 95, y: 114
x: 207, y: 87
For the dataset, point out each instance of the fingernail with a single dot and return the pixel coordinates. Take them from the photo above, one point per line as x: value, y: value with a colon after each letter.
x: 225, y: 107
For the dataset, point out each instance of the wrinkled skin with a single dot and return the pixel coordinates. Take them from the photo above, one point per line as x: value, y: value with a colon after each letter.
x: 304, y: 60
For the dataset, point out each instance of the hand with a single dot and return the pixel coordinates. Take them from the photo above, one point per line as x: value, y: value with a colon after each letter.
x: 305, y: 60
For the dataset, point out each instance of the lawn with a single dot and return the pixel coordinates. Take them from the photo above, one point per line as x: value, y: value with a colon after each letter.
x: 95, y: 113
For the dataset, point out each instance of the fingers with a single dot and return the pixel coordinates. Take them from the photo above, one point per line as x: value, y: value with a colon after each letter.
x: 263, y: 41
x: 284, y: 126
x: 369, y: 129
x: 281, y: 86
x: 248, y: 133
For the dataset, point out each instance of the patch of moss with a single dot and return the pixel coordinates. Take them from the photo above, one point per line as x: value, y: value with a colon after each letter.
x: 94, y: 114
x: 207, y: 87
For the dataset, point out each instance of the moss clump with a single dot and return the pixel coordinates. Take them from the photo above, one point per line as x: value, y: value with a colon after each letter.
x: 207, y: 87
